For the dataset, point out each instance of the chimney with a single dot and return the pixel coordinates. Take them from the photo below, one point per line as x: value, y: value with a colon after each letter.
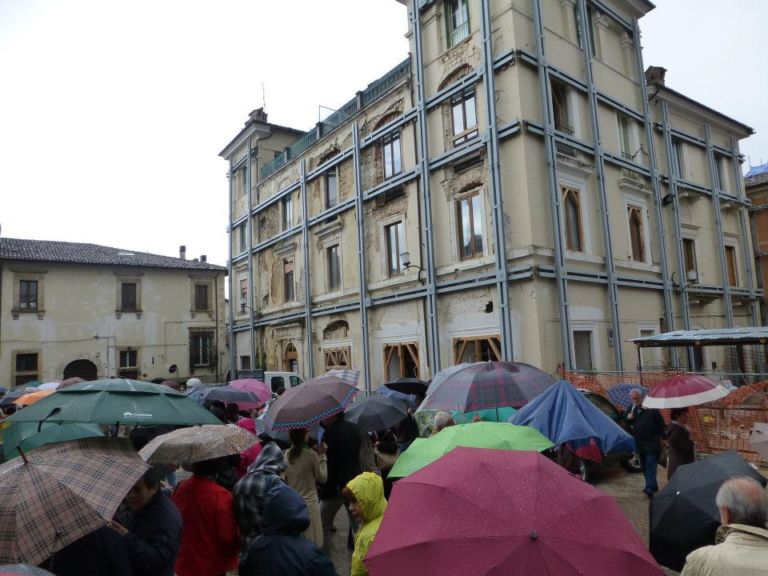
x: 655, y: 75
x: 258, y: 115
x: 203, y: 258
x: 183, y: 252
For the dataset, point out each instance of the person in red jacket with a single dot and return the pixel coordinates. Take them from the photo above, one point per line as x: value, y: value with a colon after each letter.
x: 210, y: 542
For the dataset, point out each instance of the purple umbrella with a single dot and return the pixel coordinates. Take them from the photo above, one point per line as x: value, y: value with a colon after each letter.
x: 484, y: 385
x: 305, y: 405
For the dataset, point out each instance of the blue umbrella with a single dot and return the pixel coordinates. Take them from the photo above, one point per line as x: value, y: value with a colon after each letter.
x: 619, y: 394
x: 562, y: 414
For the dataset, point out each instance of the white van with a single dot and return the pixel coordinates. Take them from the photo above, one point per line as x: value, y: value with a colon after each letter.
x: 277, y: 380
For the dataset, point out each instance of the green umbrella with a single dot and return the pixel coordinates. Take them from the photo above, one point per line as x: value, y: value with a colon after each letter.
x: 498, y: 435
x: 487, y: 415
x: 25, y: 435
x: 116, y: 402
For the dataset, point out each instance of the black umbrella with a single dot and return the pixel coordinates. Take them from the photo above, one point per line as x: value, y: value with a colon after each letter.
x: 684, y: 516
x: 409, y: 386
x: 376, y: 413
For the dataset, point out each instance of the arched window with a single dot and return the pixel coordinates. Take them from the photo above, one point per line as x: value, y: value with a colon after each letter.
x: 572, y: 209
x: 291, y: 359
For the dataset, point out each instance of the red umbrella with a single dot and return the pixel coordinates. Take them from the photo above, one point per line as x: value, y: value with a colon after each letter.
x: 484, y: 385
x: 257, y: 387
x: 479, y: 511
x: 684, y: 390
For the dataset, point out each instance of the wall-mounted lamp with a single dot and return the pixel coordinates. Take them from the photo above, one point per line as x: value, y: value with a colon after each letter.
x: 692, y: 278
x: 667, y: 200
x: 405, y: 261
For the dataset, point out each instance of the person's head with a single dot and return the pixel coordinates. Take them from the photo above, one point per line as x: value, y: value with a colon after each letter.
x: 280, y: 391
x: 207, y: 468
x: 636, y: 395
x: 298, y: 438
x: 219, y: 413
x: 742, y: 500
x: 443, y: 419
x: 365, y: 496
x: 680, y: 415
x: 145, y: 488
x: 232, y: 412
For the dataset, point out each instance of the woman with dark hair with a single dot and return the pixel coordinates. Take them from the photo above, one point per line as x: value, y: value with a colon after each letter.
x: 680, y: 447
x: 210, y: 542
x: 305, y: 468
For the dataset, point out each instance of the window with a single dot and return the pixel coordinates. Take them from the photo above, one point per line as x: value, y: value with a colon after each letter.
x: 395, y: 234
x: 689, y: 260
x: 288, y: 285
x: 582, y: 344
x: 241, y: 230
x: 291, y: 360
x: 202, y: 352
x: 636, y: 235
x: 401, y: 360
x: 731, y: 267
x: 334, y: 268
x: 579, y: 27
x: 471, y: 234
x: 244, y: 181
x: 391, y: 152
x: 128, y: 297
x: 243, y: 294
x: 625, y: 137
x: 464, y: 115
x: 287, y: 212
x: 331, y: 188
x: 26, y: 366
x: 481, y: 349
x: 721, y: 173
x: 560, y: 107
x: 129, y: 364
x: 592, y: 31
x: 457, y: 21
x: 27, y: 294
x: 678, y: 148
x: 572, y: 216
x: 201, y: 297
x: 245, y: 362
x: 337, y: 358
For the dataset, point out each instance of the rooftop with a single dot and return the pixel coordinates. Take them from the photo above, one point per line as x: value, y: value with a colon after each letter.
x: 14, y: 249
x: 756, y: 175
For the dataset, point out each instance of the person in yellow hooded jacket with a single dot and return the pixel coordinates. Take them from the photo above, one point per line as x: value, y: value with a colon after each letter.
x: 365, y: 494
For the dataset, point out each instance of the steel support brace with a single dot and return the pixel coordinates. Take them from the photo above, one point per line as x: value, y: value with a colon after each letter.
x: 309, y: 360
x: 425, y: 196
x: 499, y: 235
x: 668, y: 316
x: 561, y: 269
x: 359, y: 215
x: 719, y: 224
x: 249, y: 244
x: 613, y: 292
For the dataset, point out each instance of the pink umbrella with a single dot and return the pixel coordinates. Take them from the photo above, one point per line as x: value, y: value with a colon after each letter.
x: 70, y: 381
x: 479, y: 511
x: 256, y: 387
x: 684, y: 390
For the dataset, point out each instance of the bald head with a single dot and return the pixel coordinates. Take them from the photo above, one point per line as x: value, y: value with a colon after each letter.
x: 743, y: 501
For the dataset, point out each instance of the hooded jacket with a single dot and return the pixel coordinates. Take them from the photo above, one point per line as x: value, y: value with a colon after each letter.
x: 740, y: 550
x: 368, y: 489
x: 281, y: 550
x: 252, y: 488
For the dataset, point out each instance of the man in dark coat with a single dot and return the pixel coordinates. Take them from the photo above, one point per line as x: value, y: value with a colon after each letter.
x: 101, y: 553
x: 281, y: 550
x: 647, y: 427
x: 343, y: 440
x: 153, y: 533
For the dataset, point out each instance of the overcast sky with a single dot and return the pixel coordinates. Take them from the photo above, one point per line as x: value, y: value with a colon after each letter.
x: 112, y: 113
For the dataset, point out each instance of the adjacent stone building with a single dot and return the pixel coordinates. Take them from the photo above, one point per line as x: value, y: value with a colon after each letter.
x: 70, y: 309
x: 515, y: 189
x: 756, y: 184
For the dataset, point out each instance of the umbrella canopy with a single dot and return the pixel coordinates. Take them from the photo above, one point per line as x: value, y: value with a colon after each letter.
x: 759, y: 439
x: 228, y: 394
x: 31, y: 435
x: 499, y: 435
x: 255, y: 387
x: 487, y: 385
x: 684, y: 390
x: 198, y: 443
x: 70, y: 381
x: 313, y: 401
x: 409, y: 386
x: 33, y: 397
x: 619, y: 394
x: 473, y: 520
x: 409, y: 399
x: 23, y: 569
x: 683, y: 515
x: 49, y: 386
x: 489, y: 415
x: 116, y: 401
x: 60, y: 492
x: 13, y: 395
x: 376, y: 413
x: 348, y: 376
x: 562, y: 414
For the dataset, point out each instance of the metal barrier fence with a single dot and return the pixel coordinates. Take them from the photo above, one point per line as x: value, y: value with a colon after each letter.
x: 716, y: 426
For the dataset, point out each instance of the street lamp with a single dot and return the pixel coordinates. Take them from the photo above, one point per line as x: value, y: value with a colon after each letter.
x: 405, y: 260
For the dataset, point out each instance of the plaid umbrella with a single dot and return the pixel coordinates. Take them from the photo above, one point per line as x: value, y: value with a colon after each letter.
x: 313, y: 401
x: 349, y: 376
x: 198, y: 443
x: 485, y: 385
x: 61, y: 492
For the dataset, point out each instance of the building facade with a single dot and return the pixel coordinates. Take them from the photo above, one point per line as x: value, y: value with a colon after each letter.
x: 514, y: 190
x: 756, y: 185
x: 69, y: 309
